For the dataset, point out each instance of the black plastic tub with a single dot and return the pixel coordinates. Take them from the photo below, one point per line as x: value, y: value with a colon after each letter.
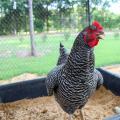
x: 37, y: 88
x: 20, y: 90
x: 114, y: 117
x: 111, y: 81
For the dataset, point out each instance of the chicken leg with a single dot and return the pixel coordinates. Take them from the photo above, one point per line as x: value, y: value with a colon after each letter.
x: 70, y: 117
x: 81, y: 115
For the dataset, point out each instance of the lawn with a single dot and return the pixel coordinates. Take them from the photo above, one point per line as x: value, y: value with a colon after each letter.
x: 13, y: 64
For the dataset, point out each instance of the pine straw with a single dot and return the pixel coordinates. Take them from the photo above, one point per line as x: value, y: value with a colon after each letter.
x: 45, y: 108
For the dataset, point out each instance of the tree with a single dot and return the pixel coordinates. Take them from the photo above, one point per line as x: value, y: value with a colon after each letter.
x: 12, y: 19
x: 108, y: 20
x: 42, y: 13
x: 39, y: 16
x: 64, y: 8
x: 33, y: 48
x: 56, y: 14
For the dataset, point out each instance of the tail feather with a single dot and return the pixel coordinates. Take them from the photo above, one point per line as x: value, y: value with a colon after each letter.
x: 62, y: 50
x: 61, y: 45
x: 63, y: 55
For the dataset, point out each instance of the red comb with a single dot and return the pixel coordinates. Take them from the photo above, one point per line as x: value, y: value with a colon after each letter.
x: 97, y: 24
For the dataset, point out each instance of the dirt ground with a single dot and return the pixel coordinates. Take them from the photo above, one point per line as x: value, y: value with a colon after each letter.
x: 99, y: 106
x: 22, y: 77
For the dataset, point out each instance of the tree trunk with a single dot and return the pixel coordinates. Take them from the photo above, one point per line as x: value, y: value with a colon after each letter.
x: 61, y: 20
x: 47, y: 19
x: 33, y: 50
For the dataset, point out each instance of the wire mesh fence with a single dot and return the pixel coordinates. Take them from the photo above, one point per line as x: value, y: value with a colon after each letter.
x: 54, y: 22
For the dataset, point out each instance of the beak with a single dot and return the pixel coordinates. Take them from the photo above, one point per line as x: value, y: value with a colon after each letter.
x: 101, y: 35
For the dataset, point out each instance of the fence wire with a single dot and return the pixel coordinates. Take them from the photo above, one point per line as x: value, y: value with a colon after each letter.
x: 54, y: 22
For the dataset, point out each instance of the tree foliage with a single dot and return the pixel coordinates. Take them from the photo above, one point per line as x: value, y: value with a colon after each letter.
x: 53, y: 14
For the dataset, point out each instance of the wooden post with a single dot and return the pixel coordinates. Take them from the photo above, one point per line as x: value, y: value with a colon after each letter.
x: 33, y: 50
x: 88, y: 13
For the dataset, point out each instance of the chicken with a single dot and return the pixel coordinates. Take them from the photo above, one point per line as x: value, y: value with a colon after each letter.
x: 74, y: 81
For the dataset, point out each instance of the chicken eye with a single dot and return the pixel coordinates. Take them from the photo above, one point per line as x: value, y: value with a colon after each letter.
x: 93, y: 27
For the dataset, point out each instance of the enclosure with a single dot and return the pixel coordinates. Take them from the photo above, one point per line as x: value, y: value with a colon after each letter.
x: 30, y: 36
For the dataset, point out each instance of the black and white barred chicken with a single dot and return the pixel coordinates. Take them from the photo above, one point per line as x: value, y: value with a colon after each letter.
x: 75, y: 80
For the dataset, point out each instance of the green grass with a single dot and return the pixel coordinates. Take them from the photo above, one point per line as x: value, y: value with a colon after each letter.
x: 108, y: 52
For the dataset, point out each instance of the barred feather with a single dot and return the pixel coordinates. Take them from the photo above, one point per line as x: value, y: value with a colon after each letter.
x: 74, y: 81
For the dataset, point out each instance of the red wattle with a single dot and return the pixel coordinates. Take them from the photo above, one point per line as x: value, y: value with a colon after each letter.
x: 91, y: 43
